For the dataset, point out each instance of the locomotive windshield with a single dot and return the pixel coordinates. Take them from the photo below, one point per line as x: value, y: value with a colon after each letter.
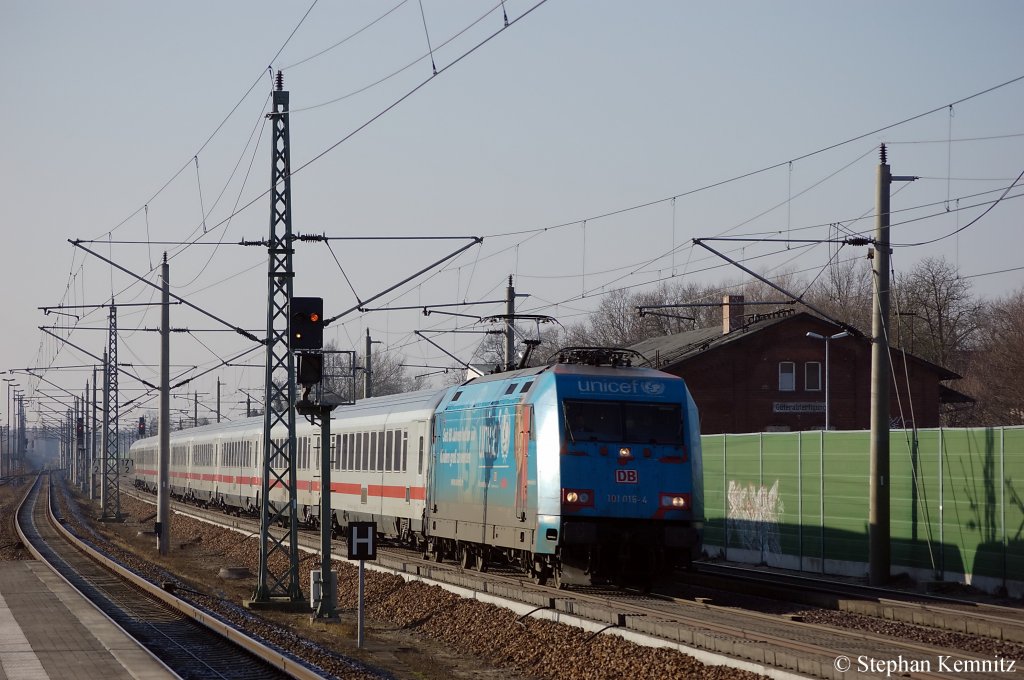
x: 619, y: 421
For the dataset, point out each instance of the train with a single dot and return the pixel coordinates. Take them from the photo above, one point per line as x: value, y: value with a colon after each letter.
x: 585, y: 470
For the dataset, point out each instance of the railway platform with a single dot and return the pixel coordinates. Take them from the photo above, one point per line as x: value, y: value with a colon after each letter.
x: 50, y: 632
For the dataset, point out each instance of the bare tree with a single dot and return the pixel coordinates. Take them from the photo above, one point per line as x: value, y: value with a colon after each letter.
x: 995, y: 372
x: 616, y: 322
x: 844, y: 292
x: 546, y: 337
x: 935, y: 315
x: 342, y: 373
x: 390, y: 376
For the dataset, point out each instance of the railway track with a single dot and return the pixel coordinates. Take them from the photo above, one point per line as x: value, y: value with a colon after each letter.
x: 168, y: 627
x: 762, y: 642
x: 942, y: 612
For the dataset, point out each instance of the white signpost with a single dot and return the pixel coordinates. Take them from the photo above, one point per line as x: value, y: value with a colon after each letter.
x: 362, y: 547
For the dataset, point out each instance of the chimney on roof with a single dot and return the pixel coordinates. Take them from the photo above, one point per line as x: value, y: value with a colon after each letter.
x: 732, y: 313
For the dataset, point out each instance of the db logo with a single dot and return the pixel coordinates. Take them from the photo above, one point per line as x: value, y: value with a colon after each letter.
x: 627, y: 476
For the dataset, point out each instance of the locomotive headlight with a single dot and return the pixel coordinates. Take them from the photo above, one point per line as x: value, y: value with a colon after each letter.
x: 675, y: 501
x: 578, y: 498
x: 625, y: 452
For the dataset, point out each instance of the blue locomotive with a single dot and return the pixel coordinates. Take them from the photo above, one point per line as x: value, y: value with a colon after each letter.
x: 580, y: 471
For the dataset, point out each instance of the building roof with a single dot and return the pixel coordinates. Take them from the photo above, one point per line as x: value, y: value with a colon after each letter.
x: 947, y: 395
x: 668, y: 350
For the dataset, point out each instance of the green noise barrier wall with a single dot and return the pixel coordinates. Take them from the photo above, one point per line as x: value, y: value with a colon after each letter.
x: 799, y: 500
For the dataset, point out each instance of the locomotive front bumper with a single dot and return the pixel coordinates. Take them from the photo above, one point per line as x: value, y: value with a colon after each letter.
x: 577, y: 532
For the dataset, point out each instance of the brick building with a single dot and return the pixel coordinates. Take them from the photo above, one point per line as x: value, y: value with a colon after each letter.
x: 762, y: 373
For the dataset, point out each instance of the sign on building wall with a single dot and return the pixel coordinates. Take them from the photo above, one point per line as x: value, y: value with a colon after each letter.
x: 798, y: 407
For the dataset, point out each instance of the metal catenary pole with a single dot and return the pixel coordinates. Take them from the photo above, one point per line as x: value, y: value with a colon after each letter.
x: 111, y: 499
x: 879, y: 549
x: 510, y: 320
x: 73, y: 452
x: 279, y: 414
x: 328, y: 597
x: 84, y: 443
x: 103, y: 440
x: 93, y: 429
x: 368, y: 368
x: 163, y: 494
x: 878, y: 513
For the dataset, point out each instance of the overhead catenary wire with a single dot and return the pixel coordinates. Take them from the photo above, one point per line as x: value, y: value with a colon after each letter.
x: 399, y: 70
x: 110, y: 241
x: 254, y: 134
x: 199, y: 187
x: 175, y: 175
x: 951, y: 140
x: 677, y: 195
x: 969, y: 224
x: 427, y: 32
x: 584, y: 273
x: 219, y: 126
x: 335, y: 145
x: 766, y: 168
x: 240, y: 331
x: 343, y: 40
x: 998, y: 271
x: 639, y: 266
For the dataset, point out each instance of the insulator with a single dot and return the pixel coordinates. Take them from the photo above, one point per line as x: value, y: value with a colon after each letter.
x: 280, y: 85
x: 881, y: 153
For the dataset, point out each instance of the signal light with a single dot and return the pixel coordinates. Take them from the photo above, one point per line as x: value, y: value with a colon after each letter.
x: 307, y: 329
x: 142, y: 426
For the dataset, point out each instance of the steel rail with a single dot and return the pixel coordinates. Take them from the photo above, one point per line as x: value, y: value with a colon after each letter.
x: 703, y: 635
x: 272, y: 657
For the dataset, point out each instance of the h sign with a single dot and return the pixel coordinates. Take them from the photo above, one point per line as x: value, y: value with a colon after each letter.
x: 361, y: 544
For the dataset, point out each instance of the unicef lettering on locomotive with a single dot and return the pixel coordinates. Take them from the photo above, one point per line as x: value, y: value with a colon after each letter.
x: 650, y: 388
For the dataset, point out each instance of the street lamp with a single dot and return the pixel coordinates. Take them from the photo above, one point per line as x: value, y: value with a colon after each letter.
x: 828, y: 339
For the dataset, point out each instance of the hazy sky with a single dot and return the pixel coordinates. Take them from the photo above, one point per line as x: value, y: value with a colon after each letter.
x: 129, y: 121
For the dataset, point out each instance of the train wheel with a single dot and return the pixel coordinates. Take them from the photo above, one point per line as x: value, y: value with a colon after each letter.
x: 465, y: 557
x: 480, y: 563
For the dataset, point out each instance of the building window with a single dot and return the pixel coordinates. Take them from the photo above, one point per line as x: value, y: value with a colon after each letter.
x: 812, y: 376
x: 787, y: 376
